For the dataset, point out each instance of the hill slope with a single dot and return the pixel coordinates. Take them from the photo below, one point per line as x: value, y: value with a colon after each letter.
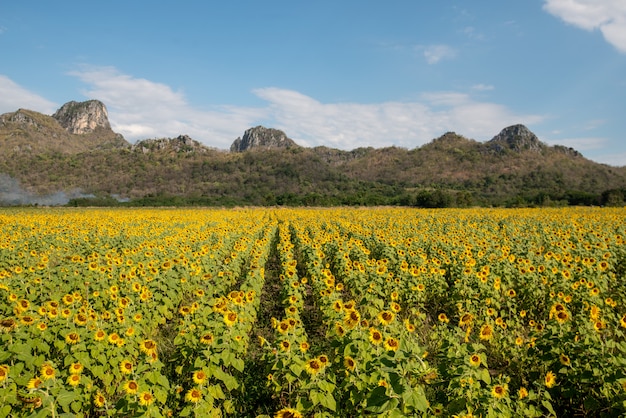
x: 512, y: 168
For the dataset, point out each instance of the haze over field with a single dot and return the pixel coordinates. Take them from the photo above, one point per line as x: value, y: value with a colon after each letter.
x: 342, y: 74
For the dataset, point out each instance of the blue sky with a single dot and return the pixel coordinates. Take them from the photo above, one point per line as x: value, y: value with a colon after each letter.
x: 343, y: 74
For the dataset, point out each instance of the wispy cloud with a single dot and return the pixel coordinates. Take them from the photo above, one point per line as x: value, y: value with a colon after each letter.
x: 482, y: 87
x: 609, y: 16
x: 140, y: 108
x: 435, y: 53
x: 13, y: 96
x: 472, y: 33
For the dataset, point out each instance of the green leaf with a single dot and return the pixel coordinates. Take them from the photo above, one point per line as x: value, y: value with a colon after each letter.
x: 548, y: 406
x: 328, y: 401
x: 326, y: 386
x: 485, y: 376
x: 65, y: 398
x: 315, y: 396
x: 396, y: 383
x: 238, y: 364
x: 378, y: 401
x: 416, y: 398
x: 216, y: 392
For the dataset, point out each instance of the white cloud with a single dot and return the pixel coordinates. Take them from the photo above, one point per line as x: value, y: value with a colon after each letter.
x: 140, y: 109
x: 482, y: 87
x: 436, y: 53
x: 352, y: 125
x: 13, y: 97
x: 609, y: 16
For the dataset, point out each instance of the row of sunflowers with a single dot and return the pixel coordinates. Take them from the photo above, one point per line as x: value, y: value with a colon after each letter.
x: 312, y: 312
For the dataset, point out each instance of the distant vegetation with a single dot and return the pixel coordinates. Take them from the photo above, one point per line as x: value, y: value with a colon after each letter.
x: 425, y: 177
x: 102, y: 169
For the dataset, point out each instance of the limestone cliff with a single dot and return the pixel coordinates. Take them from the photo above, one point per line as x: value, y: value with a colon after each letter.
x: 261, y: 137
x: 83, y: 117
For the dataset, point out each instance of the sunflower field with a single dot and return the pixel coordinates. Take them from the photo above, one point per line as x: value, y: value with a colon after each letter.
x: 286, y: 313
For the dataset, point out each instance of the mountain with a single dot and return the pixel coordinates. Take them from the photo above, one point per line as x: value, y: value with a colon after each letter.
x: 261, y: 137
x: 182, y: 143
x: 75, y: 155
x: 74, y: 128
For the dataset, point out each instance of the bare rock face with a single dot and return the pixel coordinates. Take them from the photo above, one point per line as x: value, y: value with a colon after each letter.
x: 83, y: 117
x: 261, y: 137
x: 180, y: 144
x: 517, y: 138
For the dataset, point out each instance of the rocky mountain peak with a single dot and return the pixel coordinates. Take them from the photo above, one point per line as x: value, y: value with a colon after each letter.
x: 180, y: 144
x: 261, y: 137
x: 517, y: 138
x: 21, y: 117
x: 83, y: 117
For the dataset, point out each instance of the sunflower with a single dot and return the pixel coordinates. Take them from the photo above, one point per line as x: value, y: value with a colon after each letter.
x: 27, y: 320
x: 76, y: 368
x: 565, y: 360
x: 288, y: 413
x: 486, y: 332
x: 283, y: 326
x: 409, y: 326
x: 99, y: 400
x: 474, y: 360
x: 199, y: 377
x: 499, y: 391
x: 349, y: 363
x: 285, y: 345
x: 352, y: 318
x: 622, y: 321
x: 73, y: 380
x: 146, y: 398
x: 8, y: 325
x: 149, y: 347
x: 466, y: 319
x: 376, y: 337
x: 206, y: 339
x: 313, y: 366
x: 34, y: 383
x: 47, y: 371
x: 562, y: 317
x: 392, y: 344
x: 386, y: 317
x: 230, y: 318
x: 304, y: 346
x: 443, y: 318
x: 4, y: 372
x: 522, y: 392
x: 126, y: 367
x: 131, y: 387
x: 550, y: 379
x: 113, y: 338
x: 193, y: 395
